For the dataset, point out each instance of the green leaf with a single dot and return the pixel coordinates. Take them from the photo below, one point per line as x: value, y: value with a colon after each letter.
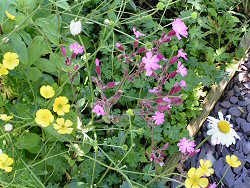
x: 46, y: 66
x: 19, y: 47
x: 51, y: 132
x: 37, y: 48
x: 28, y: 141
x: 61, y: 3
x: 5, y: 5
x: 33, y: 73
x: 50, y: 28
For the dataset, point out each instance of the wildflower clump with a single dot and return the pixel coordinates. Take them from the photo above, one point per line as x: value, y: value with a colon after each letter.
x: 61, y: 105
x: 62, y: 126
x: 44, y: 117
x: 6, y: 162
x: 47, y: 92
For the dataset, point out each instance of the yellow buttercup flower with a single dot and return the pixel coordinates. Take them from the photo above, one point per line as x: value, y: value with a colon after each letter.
x: 10, y: 60
x: 233, y: 161
x: 61, y: 105
x: 10, y: 16
x: 3, y: 70
x: 47, y: 92
x: 206, y: 167
x: 4, y: 117
x: 62, y: 126
x: 195, y: 179
x: 44, y: 117
x: 6, y: 162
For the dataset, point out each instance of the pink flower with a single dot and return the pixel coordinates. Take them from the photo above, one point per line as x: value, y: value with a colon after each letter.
x: 150, y: 62
x: 137, y: 33
x: 212, y: 185
x: 98, y: 110
x: 76, y: 48
x: 119, y: 46
x: 182, y: 54
x: 183, y: 84
x: 153, y: 90
x: 179, y: 28
x: 181, y: 69
x: 166, y: 99
x: 97, y: 62
x: 186, y: 146
x: 63, y: 51
x: 159, y: 118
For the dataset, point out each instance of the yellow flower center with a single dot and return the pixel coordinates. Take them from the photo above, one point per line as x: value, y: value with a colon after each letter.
x: 60, y: 106
x: 195, y: 180
x: 224, y: 126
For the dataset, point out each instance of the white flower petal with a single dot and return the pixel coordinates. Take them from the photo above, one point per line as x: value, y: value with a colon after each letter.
x: 220, y: 116
x: 228, y: 117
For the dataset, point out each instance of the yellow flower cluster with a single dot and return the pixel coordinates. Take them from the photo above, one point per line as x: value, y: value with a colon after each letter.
x: 197, y: 177
x: 44, y: 117
x: 10, y: 61
x: 6, y: 162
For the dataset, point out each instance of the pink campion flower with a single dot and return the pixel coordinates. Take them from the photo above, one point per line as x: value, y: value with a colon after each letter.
x: 182, y: 54
x: 183, y: 84
x: 159, y: 118
x: 152, y: 90
x: 173, y: 60
x: 138, y: 33
x: 76, y: 48
x: 181, y: 69
x: 150, y: 62
x: 166, y: 99
x: 97, y: 62
x: 179, y: 28
x: 98, y: 110
x: 214, y: 185
x: 63, y: 49
x: 119, y: 46
x: 186, y: 146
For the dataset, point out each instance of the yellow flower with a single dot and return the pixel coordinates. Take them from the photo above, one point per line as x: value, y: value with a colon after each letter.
x: 10, y: 60
x: 10, y: 16
x: 233, y: 161
x: 6, y: 162
x: 194, y: 179
x: 44, y: 117
x: 206, y: 167
x: 61, y: 105
x: 3, y: 70
x: 47, y: 92
x: 62, y: 126
x: 4, y: 117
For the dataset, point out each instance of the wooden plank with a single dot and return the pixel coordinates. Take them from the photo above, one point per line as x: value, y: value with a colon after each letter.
x: 211, y: 99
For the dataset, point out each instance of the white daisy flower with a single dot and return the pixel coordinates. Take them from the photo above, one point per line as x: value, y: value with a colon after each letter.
x: 75, y: 27
x: 221, y: 130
